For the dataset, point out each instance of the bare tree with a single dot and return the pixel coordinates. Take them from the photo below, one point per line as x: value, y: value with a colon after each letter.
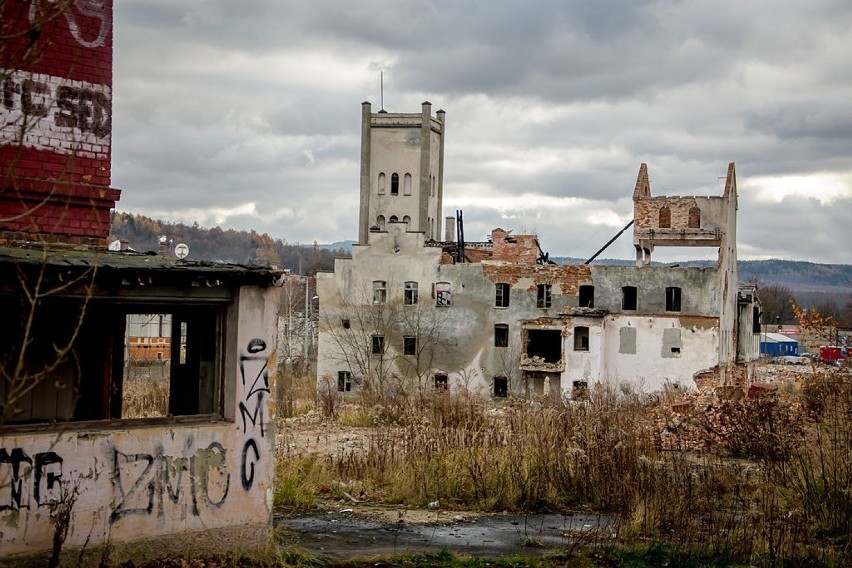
x: 775, y: 304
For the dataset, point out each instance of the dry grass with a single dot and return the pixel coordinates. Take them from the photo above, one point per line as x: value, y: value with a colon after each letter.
x: 789, y: 502
x: 145, y: 397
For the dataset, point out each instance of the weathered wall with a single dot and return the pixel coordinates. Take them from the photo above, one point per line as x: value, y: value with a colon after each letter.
x: 141, y: 480
x: 56, y: 121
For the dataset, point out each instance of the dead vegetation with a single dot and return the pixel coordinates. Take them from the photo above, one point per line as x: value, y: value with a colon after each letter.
x: 764, y: 480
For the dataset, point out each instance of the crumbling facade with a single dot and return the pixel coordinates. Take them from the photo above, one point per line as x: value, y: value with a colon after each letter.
x: 128, y: 443
x: 498, y: 316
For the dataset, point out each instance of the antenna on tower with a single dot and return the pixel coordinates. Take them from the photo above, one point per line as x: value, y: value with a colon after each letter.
x: 382, y: 87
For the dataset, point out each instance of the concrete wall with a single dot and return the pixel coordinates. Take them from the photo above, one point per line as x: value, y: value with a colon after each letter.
x: 141, y: 479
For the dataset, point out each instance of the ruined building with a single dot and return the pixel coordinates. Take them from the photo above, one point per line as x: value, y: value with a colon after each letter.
x: 128, y: 438
x: 411, y: 309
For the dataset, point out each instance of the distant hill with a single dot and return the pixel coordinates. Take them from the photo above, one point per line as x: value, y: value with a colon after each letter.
x: 222, y: 245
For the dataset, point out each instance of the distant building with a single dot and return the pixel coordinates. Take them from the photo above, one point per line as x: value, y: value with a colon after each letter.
x: 410, y: 309
x: 778, y: 345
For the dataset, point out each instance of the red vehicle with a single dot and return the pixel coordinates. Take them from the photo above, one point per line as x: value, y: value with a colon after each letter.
x: 830, y: 354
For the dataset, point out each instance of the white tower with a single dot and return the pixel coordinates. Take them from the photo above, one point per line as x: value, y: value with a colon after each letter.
x: 402, y: 170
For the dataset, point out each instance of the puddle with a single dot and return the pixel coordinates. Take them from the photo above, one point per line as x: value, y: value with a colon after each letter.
x: 346, y: 535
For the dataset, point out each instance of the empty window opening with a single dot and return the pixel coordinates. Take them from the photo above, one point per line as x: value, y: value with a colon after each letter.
x: 433, y: 187
x: 442, y: 383
x: 443, y: 294
x: 629, y: 298
x: 406, y: 184
x: 382, y: 183
x: 544, y: 297
x: 345, y: 323
x: 344, y: 381
x: 579, y: 389
x: 378, y: 346
x: 665, y: 217
x: 407, y: 220
x: 393, y: 219
x: 410, y: 297
x: 587, y: 296
x: 694, y: 220
x: 755, y: 320
x: 501, y: 297
x: 395, y: 184
x: 380, y: 222
x: 501, y: 335
x: 409, y: 345
x: 673, y: 299
x: 545, y: 343
x: 380, y: 291
x: 581, y: 338
x: 501, y: 387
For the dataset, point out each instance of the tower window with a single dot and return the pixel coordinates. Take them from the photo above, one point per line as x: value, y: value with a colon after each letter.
x: 393, y: 219
x: 628, y: 298
x: 694, y: 218
x: 407, y: 220
x: 544, y: 297
x: 406, y: 184
x: 587, y: 296
x: 410, y: 298
x: 395, y: 184
x: 382, y: 181
x: 380, y: 222
x: 501, y: 295
x: 665, y: 217
x: 672, y: 299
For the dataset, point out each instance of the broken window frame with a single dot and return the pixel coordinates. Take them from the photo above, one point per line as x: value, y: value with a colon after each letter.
x: 501, y: 335
x: 344, y: 381
x: 441, y: 382
x: 443, y: 294
x: 409, y: 345
x: 581, y: 338
x: 629, y: 298
x: 377, y: 345
x: 544, y: 296
x: 502, y: 294
x: 674, y: 299
x: 539, y: 342
x: 411, y: 294
x: 586, y: 296
x: 380, y: 291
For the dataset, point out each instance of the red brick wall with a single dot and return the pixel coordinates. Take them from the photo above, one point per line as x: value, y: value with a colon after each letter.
x: 56, y: 112
x: 646, y: 212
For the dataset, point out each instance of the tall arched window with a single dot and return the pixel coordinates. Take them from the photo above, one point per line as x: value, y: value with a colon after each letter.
x: 694, y: 218
x: 382, y: 183
x: 380, y: 222
x: 665, y: 217
x: 395, y: 184
x: 407, y: 220
x: 406, y: 184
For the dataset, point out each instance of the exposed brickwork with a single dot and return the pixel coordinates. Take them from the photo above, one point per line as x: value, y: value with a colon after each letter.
x: 522, y: 249
x: 646, y: 211
x: 567, y: 277
x: 55, y: 148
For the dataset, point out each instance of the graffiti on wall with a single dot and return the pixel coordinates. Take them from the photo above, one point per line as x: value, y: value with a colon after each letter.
x: 255, y: 381
x: 86, y: 11
x: 157, y: 483
x: 28, y: 482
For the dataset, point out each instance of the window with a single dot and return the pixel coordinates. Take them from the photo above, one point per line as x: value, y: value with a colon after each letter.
x: 694, y: 221
x: 580, y: 389
x: 628, y: 298
x: 501, y: 387
x: 443, y: 294
x: 393, y: 219
x: 380, y: 222
x: 672, y: 299
x: 380, y: 291
x: 410, y: 297
x: 395, y: 184
x: 441, y: 381
x: 345, y: 323
x: 544, y: 299
x: 545, y: 343
x: 501, y: 298
x: 406, y: 184
x: 581, y: 338
x: 409, y: 345
x: 587, y: 296
x: 344, y: 381
x: 665, y: 217
x: 378, y: 347
x: 501, y: 335
x: 755, y: 319
x: 381, y: 183
x: 407, y: 220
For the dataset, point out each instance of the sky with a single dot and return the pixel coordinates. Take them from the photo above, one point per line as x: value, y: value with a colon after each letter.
x: 246, y: 114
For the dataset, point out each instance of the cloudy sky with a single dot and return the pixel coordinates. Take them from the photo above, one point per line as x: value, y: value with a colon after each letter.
x: 247, y: 114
